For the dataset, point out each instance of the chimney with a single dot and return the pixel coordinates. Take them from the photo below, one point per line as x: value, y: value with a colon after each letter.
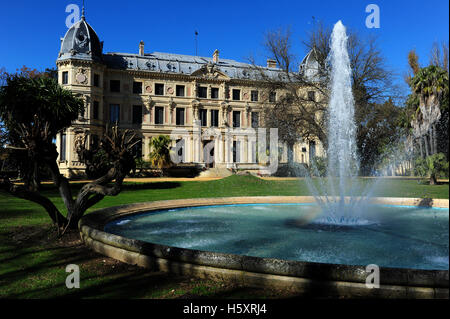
x: 271, y: 63
x: 141, y: 48
x: 216, y: 56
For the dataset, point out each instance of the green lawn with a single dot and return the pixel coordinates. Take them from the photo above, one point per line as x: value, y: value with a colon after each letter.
x: 33, y: 260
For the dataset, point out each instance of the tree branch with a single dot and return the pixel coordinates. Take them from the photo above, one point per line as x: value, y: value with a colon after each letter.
x: 22, y: 192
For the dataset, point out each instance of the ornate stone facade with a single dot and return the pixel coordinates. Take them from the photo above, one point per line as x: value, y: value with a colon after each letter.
x: 198, y: 101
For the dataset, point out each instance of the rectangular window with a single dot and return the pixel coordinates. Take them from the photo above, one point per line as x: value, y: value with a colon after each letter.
x: 180, y: 116
x: 137, y: 87
x: 254, y: 96
x: 65, y: 77
x: 96, y: 80
x: 95, y: 111
x: 236, y: 119
x: 159, y: 89
x: 272, y: 96
x: 215, y: 118
x: 137, y: 114
x: 203, y: 117
x: 214, y: 93
x: 159, y: 115
x: 114, y: 85
x: 311, y: 95
x: 202, y: 92
x: 62, y: 154
x: 180, y: 90
x: 236, y: 94
x: 255, y: 119
x: 114, y: 113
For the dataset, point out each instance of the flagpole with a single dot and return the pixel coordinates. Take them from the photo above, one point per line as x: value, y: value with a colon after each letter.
x: 196, y: 34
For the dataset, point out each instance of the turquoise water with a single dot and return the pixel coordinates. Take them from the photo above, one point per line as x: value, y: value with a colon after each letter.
x: 389, y: 236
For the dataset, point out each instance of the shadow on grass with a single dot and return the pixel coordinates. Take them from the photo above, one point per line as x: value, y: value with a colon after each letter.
x: 38, y: 271
x: 154, y: 185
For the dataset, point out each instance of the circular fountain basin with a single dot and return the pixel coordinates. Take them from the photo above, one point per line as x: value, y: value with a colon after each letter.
x: 283, y: 242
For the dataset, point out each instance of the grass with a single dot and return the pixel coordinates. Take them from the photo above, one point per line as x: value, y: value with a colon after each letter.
x: 33, y: 259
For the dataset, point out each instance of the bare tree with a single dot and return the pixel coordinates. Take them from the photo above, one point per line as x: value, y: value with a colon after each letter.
x: 300, y: 114
x: 439, y: 55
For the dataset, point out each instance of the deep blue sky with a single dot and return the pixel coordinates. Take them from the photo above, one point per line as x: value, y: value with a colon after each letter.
x: 32, y: 30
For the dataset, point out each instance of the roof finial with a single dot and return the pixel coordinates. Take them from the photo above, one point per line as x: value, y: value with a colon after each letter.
x: 82, y: 12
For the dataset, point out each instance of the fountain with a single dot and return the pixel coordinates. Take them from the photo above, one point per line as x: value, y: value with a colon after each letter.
x: 343, y: 162
x: 259, y: 241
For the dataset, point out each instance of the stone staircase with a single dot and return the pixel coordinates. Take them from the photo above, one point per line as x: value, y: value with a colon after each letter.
x: 216, y: 172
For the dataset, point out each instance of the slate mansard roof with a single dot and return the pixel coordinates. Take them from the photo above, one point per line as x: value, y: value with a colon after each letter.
x: 82, y: 43
x: 182, y: 64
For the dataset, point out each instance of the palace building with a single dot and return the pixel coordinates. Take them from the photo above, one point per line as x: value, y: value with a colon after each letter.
x: 210, y: 107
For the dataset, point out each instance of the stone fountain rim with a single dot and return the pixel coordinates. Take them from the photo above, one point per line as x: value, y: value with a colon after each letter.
x: 275, y: 271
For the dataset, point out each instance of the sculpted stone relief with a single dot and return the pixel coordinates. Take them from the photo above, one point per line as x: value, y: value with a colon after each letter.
x: 81, y: 76
x: 79, y: 141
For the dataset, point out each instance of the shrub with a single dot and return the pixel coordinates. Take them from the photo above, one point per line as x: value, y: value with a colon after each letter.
x: 433, y: 166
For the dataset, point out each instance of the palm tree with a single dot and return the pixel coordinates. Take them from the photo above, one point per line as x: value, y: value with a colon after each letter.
x: 33, y: 110
x: 429, y: 84
x: 160, y: 154
x: 433, y: 166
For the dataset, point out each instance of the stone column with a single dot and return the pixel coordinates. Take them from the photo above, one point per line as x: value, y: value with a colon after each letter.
x: 151, y: 110
x: 250, y: 149
x: 244, y: 147
x: 220, y: 150
x: 188, y: 148
x: 216, y: 150
x: 196, y: 136
x: 208, y: 118
x: 228, y: 146
x: 146, y: 148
